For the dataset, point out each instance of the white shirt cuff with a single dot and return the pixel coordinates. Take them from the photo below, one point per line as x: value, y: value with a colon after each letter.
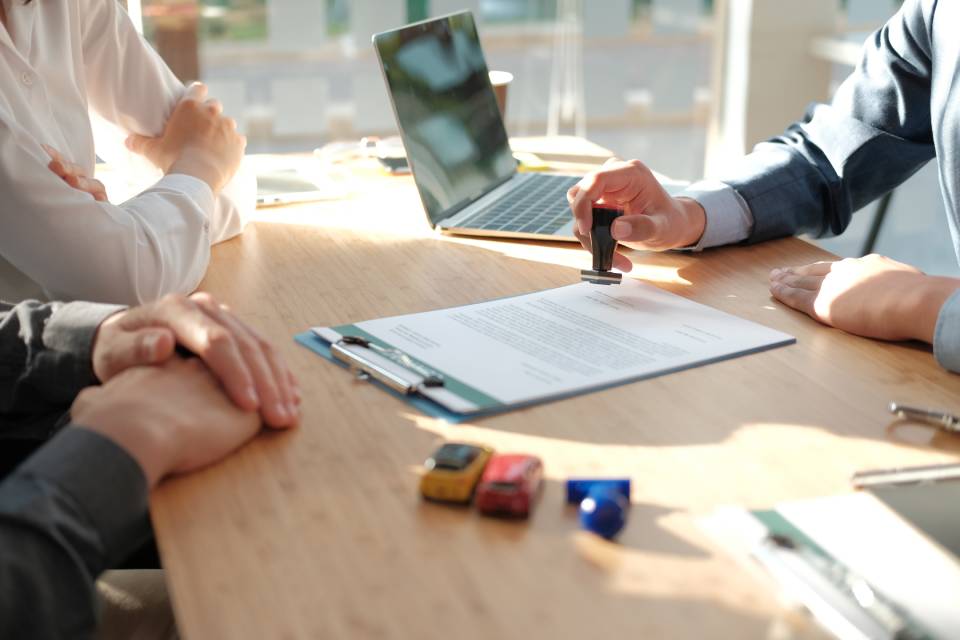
x: 728, y: 217
x: 195, y: 189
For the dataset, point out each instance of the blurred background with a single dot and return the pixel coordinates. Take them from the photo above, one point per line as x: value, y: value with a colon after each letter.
x: 684, y: 85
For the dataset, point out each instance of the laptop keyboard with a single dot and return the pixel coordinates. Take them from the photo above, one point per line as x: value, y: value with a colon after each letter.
x: 537, y: 205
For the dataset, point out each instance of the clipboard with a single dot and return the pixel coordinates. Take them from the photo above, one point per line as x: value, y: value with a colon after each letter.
x: 399, y: 381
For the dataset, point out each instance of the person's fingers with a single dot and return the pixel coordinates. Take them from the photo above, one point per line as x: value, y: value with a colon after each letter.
x: 799, y: 299
x: 582, y: 208
x: 583, y: 238
x: 286, y: 411
x: 53, y: 153
x: 88, y: 185
x: 270, y: 373
x: 292, y: 389
x: 648, y: 230
x: 295, y: 387
x: 572, y: 193
x: 139, y: 348
x: 622, y: 262
x: 627, y: 185
x: 94, y: 187
x: 73, y: 174
x: 58, y: 168
x: 210, y: 341
x: 196, y: 91
x: 99, y: 190
x: 821, y: 268
x: 277, y: 406
x: 57, y: 162
x: 230, y: 123
x: 617, y: 183
x: 214, y: 106
x: 622, y: 229
x: 810, y: 283
x: 139, y: 144
x: 74, y: 168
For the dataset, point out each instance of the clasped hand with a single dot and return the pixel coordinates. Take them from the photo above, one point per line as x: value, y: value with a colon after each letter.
x: 173, y: 414
x: 252, y: 372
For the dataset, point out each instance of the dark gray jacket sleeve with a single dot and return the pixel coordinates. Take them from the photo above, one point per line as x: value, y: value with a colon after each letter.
x: 44, y: 361
x: 70, y: 512
x: 874, y: 135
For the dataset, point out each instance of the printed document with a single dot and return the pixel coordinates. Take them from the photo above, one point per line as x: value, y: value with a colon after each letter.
x: 565, y: 341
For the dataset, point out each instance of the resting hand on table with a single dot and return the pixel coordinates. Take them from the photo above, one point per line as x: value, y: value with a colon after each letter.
x: 252, y: 372
x: 74, y: 175
x: 652, y: 219
x: 171, y: 418
x: 871, y: 296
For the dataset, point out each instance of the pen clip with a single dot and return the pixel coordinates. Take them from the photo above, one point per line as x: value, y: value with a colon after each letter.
x: 380, y: 363
x: 942, y: 419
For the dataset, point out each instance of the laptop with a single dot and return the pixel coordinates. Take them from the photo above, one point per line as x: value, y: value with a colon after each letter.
x: 456, y: 143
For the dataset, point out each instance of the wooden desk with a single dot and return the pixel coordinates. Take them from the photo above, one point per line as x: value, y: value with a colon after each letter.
x: 320, y: 533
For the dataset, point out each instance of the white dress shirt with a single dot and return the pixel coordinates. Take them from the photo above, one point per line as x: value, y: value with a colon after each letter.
x: 728, y: 218
x: 66, y: 62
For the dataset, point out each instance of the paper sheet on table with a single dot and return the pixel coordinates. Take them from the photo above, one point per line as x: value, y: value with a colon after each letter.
x: 560, y: 342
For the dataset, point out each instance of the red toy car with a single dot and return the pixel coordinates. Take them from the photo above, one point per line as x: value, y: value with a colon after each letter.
x: 509, y: 485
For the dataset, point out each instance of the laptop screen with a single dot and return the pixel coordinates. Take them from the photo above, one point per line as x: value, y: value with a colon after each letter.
x: 449, y: 120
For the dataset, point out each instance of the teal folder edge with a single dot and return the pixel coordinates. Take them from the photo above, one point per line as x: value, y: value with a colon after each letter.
x: 319, y: 346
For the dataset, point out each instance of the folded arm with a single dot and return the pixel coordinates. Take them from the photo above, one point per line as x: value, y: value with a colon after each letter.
x: 134, y: 92
x: 78, y: 248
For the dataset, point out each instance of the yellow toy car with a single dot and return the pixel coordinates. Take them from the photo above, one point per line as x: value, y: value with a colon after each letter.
x: 453, y: 471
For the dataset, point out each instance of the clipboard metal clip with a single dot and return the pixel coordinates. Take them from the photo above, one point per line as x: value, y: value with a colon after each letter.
x: 366, y: 368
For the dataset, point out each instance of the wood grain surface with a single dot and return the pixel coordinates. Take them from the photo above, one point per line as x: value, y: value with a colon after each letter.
x: 320, y: 532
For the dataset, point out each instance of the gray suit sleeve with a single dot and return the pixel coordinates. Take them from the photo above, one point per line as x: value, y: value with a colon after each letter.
x: 70, y: 512
x: 45, y: 351
x: 946, y: 339
x: 874, y: 135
